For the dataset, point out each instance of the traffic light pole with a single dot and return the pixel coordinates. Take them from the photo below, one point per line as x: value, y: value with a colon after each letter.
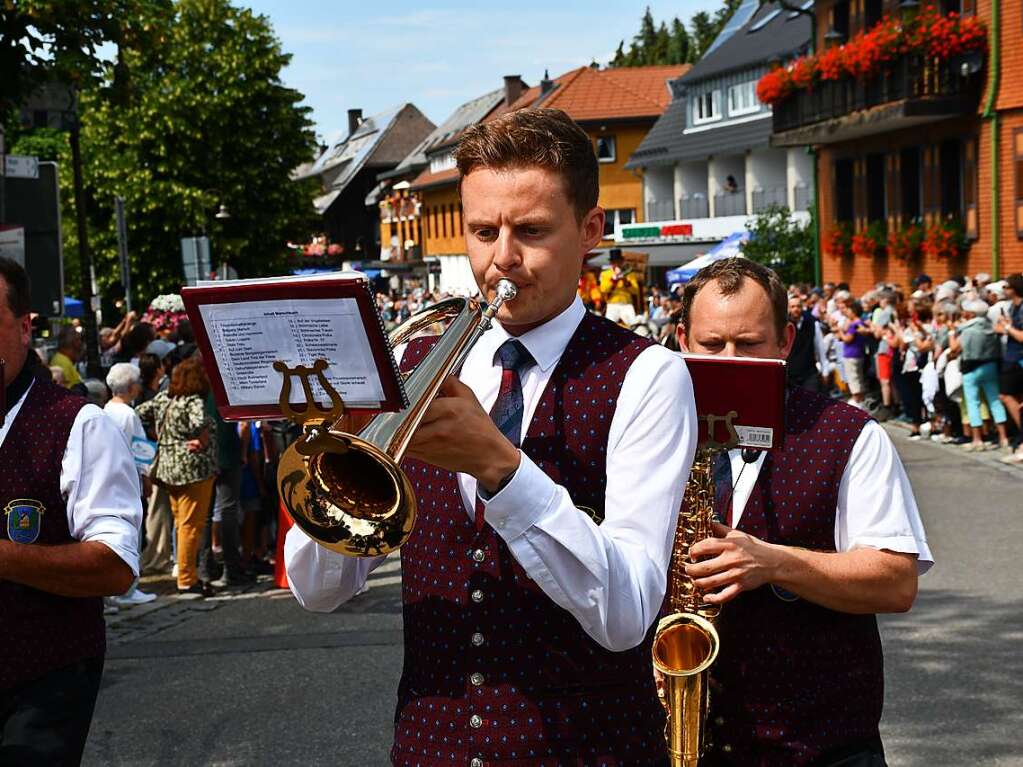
x: 90, y: 335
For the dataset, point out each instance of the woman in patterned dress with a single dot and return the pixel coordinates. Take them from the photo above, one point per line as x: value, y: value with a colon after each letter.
x: 186, y: 462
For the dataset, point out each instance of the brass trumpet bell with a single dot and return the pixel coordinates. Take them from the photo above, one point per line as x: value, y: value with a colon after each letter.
x: 347, y: 491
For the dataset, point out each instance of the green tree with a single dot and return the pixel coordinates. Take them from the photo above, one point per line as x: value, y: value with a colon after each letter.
x: 703, y: 31
x: 678, y: 50
x: 57, y: 40
x: 646, y: 40
x: 782, y: 244
x: 207, y: 122
x: 661, y: 51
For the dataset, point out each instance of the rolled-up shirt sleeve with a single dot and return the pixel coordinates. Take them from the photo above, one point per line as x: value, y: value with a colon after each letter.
x: 612, y: 576
x: 322, y: 580
x: 876, y: 506
x: 100, y: 483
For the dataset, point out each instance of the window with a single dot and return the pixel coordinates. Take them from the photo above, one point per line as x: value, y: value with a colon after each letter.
x: 742, y: 99
x: 844, y: 190
x: 909, y: 179
x: 707, y: 107
x: 875, y: 188
x: 606, y: 149
x: 616, y: 218
x: 950, y: 179
x: 442, y: 162
x: 873, y: 10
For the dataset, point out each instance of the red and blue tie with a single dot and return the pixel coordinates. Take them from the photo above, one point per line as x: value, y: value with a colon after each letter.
x: 515, y: 359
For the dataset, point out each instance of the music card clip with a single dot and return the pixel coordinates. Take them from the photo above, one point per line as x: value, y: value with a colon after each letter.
x: 314, y: 418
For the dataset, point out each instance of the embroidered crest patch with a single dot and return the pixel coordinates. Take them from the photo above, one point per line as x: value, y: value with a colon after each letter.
x: 24, y: 520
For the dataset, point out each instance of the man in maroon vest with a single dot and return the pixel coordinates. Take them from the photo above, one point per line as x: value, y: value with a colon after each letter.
x: 549, y: 476
x: 69, y: 536
x: 821, y: 535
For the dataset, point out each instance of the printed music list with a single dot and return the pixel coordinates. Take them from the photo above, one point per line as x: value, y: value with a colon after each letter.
x: 247, y: 338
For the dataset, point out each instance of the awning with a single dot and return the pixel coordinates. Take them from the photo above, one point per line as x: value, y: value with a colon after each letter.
x: 73, y: 307
x: 727, y: 248
x: 669, y: 254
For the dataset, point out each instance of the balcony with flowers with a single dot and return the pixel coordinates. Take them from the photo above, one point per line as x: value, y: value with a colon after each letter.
x: 898, y: 74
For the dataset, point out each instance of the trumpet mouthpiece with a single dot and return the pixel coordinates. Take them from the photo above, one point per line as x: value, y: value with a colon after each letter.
x: 506, y: 290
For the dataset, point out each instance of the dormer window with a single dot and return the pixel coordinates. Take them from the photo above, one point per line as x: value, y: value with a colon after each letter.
x: 442, y: 162
x: 742, y: 99
x: 707, y: 107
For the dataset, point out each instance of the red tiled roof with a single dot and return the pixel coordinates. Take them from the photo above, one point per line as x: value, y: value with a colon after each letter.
x: 603, y: 94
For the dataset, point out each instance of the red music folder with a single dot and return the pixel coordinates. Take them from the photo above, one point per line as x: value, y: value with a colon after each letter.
x: 243, y: 326
x: 747, y: 393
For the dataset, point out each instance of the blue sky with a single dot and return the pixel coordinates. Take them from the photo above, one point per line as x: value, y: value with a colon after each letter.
x: 372, y: 55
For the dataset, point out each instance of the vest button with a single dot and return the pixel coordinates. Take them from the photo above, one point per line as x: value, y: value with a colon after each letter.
x: 476, y: 596
x: 476, y: 678
x: 476, y: 762
x: 477, y: 639
x: 475, y: 721
x: 478, y: 555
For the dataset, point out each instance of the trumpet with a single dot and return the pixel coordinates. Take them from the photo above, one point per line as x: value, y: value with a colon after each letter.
x: 347, y: 491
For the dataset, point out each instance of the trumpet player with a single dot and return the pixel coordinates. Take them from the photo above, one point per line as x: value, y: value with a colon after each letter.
x: 821, y: 535
x: 548, y: 476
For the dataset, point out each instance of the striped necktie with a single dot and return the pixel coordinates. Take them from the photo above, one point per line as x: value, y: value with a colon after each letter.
x: 507, y: 409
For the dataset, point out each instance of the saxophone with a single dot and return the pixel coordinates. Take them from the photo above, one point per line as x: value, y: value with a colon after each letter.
x: 686, y: 642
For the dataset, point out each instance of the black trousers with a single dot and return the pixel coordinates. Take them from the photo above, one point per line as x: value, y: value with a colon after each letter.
x: 46, y: 721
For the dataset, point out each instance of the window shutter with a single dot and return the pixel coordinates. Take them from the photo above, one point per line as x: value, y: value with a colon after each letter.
x: 892, y: 187
x: 928, y: 180
x: 860, y: 193
x: 1017, y: 144
x: 970, y: 217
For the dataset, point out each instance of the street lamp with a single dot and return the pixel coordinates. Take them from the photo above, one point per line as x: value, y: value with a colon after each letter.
x: 222, y: 214
x: 908, y: 9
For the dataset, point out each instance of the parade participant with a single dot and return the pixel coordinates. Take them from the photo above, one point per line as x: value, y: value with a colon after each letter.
x: 69, y: 493
x: 619, y: 285
x: 822, y: 534
x: 538, y: 563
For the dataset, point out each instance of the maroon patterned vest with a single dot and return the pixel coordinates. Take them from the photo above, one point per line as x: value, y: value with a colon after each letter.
x: 795, y: 681
x: 495, y: 672
x: 41, y: 632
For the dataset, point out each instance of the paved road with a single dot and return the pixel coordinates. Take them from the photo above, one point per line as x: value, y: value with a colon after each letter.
x: 254, y: 680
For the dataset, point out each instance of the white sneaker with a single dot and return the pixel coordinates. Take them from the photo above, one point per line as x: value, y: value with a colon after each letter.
x: 174, y: 570
x: 109, y: 608
x: 134, y: 597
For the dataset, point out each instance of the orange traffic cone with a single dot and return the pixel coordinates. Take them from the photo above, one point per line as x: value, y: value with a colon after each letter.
x: 284, y: 524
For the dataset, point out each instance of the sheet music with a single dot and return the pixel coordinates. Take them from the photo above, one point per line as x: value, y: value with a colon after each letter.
x: 247, y: 338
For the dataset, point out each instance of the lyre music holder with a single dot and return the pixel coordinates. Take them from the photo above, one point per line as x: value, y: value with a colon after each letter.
x: 314, y: 419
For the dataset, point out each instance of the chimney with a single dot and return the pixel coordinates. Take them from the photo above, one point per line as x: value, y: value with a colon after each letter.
x: 513, y: 88
x: 354, y: 120
x: 546, y: 85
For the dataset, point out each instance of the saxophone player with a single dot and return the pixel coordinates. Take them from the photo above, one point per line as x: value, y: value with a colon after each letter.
x: 822, y: 535
x: 548, y: 477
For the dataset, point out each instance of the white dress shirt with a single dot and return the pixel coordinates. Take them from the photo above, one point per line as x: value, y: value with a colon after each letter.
x: 100, y: 487
x: 876, y: 507
x: 611, y: 577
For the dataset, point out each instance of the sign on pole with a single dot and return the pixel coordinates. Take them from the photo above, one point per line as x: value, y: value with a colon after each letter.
x: 12, y: 243
x: 21, y: 166
x: 195, y: 259
x: 122, y: 250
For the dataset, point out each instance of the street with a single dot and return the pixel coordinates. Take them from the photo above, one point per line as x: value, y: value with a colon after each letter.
x: 252, y: 679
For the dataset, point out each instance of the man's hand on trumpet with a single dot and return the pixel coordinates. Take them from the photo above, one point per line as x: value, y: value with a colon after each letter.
x: 457, y: 434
